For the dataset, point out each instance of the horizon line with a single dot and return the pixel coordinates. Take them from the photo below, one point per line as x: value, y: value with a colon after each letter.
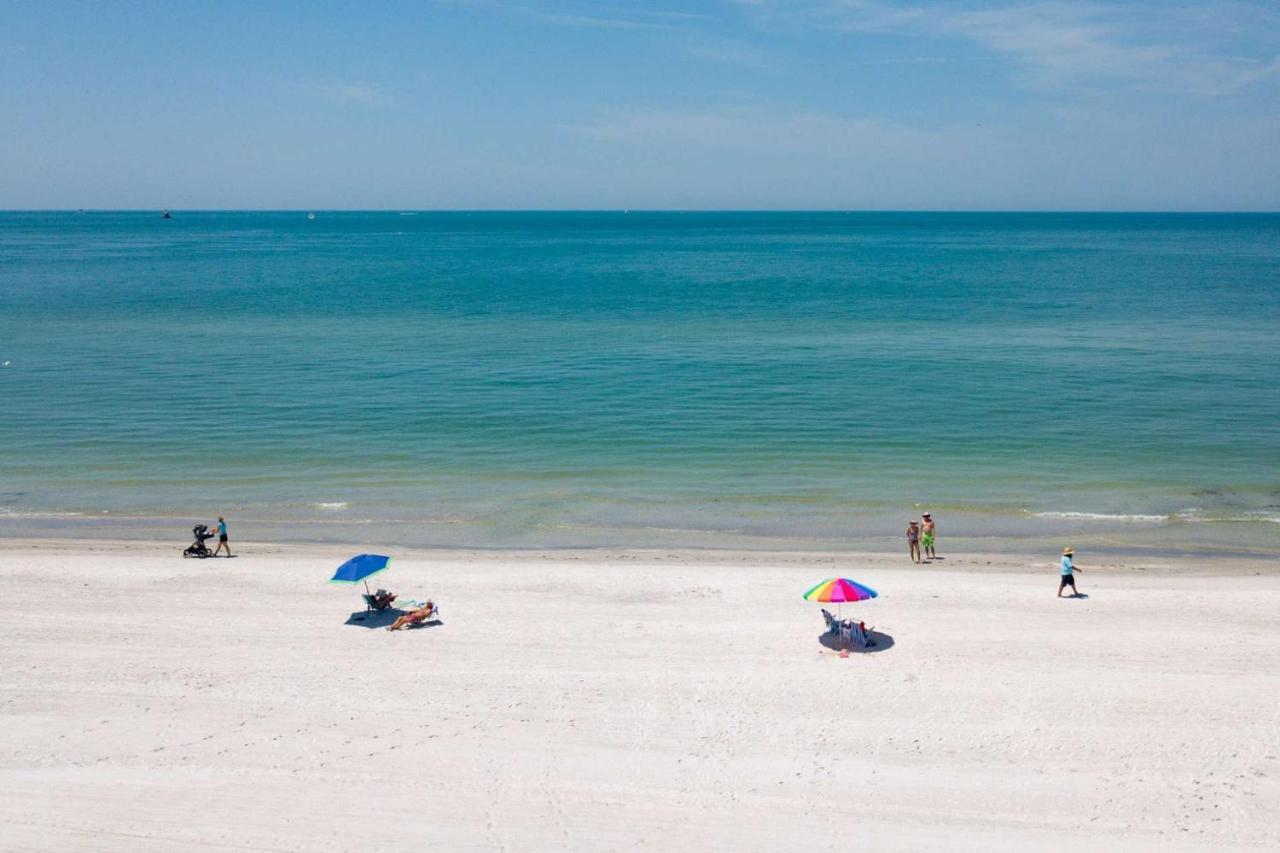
x: 629, y: 210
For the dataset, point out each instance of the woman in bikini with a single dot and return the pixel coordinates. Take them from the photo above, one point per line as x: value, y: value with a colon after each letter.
x: 413, y: 617
x: 913, y: 540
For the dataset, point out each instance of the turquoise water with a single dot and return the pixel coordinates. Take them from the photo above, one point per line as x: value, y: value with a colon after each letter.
x: 779, y: 380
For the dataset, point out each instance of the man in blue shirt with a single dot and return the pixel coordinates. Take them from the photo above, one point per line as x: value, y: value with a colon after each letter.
x: 222, y: 537
x: 1068, y: 567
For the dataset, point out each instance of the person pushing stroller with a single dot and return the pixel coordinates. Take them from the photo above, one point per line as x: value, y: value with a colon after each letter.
x: 222, y: 538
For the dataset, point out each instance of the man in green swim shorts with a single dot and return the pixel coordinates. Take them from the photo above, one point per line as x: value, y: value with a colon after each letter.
x: 926, y: 537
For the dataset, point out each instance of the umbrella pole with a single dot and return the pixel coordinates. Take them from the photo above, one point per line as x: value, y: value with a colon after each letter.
x: 366, y: 586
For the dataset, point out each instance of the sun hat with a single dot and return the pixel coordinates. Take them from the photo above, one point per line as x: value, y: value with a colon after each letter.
x: 925, y: 514
x: 1067, y: 552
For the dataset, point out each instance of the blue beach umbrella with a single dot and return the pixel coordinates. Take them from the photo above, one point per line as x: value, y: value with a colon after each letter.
x: 360, y: 568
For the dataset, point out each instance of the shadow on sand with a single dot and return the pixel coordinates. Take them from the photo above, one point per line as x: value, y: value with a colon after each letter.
x: 883, y: 642
x: 384, y: 618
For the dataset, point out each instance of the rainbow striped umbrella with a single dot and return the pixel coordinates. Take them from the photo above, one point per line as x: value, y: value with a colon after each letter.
x: 839, y: 591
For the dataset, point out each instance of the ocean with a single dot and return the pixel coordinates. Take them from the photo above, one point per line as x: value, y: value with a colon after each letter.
x: 791, y: 381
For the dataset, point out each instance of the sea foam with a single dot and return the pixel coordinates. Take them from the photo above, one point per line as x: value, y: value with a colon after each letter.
x: 1102, y: 516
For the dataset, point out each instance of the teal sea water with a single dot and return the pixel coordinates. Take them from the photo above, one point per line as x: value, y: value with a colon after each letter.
x: 762, y: 380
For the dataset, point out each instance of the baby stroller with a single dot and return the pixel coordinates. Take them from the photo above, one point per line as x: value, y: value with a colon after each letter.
x: 198, y: 549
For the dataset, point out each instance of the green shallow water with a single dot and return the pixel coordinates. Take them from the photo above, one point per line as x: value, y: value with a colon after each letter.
x: 545, y: 380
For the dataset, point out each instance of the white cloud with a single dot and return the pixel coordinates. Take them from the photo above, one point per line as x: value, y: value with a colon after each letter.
x: 730, y: 51
x: 595, y: 22
x: 355, y: 93
x: 1157, y: 48
x: 908, y: 60
x: 593, y: 15
x: 1064, y: 44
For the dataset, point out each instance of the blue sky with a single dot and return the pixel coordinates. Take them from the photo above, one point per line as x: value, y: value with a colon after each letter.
x: 738, y: 104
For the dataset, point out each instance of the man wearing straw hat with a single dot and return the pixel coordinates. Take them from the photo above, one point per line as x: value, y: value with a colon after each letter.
x: 1068, y: 578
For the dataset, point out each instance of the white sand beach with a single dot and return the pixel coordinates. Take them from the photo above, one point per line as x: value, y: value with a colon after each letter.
x: 633, y: 701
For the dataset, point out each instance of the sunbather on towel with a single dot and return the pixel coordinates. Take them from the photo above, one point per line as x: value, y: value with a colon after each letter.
x: 413, y: 617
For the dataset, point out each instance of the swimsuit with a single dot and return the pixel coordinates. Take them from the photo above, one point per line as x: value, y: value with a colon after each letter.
x: 927, y: 539
x: 913, y: 536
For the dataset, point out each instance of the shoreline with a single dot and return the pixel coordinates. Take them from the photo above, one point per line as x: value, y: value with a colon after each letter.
x: 985, y: 533
x: 983, y: 561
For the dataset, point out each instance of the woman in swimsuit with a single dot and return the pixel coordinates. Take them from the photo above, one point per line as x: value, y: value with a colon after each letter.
x: 913, y: 540
x: 413, y: 617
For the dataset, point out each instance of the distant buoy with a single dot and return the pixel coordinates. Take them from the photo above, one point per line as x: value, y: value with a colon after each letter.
x: 311, y: 215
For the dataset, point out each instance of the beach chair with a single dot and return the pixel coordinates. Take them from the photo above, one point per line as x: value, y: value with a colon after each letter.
x: 379, y: 600
x: 833, y: 625
x: 856, y: 635
x: 416, y: 619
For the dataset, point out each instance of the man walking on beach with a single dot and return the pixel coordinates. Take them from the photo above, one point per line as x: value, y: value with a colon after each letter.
x: 926, y: 537
x: 222, y: 537
x: 1068, y: 579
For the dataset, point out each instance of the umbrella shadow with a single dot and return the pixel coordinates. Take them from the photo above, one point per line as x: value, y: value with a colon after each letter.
x: 878, y: 642
x: 384, y: 618
x: 374, y: 618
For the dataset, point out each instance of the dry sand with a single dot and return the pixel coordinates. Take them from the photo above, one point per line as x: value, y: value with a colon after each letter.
x: 632, y: 701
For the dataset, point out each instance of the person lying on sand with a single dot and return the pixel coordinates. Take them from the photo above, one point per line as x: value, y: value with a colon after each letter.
x: 413, y: 617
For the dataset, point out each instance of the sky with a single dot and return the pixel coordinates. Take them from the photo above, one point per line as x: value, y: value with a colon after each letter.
x: 724, y: 104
